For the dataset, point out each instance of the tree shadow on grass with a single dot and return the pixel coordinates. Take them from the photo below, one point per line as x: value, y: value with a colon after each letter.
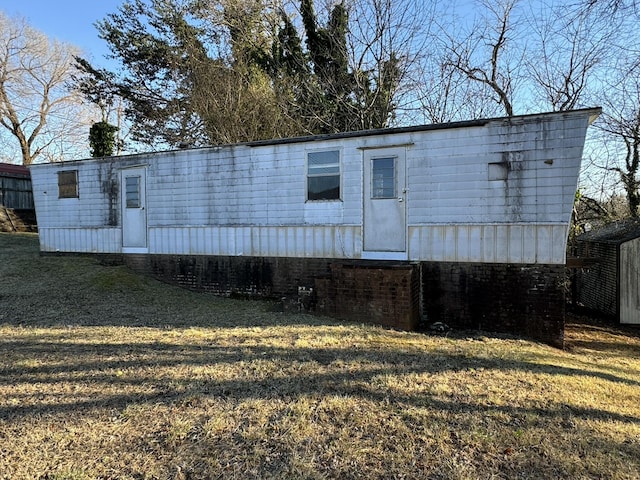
x: 58, y: 374
x: 294, y: 372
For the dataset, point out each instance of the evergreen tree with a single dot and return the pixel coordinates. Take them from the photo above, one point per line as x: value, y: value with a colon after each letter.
x: 102, y: 139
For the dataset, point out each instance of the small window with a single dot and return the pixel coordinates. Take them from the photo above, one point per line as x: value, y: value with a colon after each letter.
x: 68, y: 184
x: 383, y: 178
x: 132, y: 192
x: 323, y: 175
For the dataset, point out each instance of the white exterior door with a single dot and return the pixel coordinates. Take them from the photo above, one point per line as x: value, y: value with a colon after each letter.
x: 134, y: 215
x: 385, y: 226
x: 630, y: 282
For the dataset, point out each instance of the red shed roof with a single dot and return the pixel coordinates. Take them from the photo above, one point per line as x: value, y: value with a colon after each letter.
x: 14, y: 170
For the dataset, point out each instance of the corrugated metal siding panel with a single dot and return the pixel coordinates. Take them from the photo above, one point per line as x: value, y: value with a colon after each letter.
x: 287, y: 241
x: 82, y: 240
x: 488, y: 243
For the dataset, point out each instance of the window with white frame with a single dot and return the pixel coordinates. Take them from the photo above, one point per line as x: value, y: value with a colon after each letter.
x: 323, y: 175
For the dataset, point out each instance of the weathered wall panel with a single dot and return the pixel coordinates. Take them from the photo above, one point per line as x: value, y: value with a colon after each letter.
x: 630, y: 282
x: 15, y: 192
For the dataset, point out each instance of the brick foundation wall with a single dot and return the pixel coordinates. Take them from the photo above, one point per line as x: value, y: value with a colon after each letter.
x: 382, y: 293
x: 521, y: 299
x: 254, y: 276
x: 374, y: 292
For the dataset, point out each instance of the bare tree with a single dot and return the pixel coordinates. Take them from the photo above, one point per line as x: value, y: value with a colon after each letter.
x: 611, y: 7
x: 445, y: 94
x: 623, y: 127
x: 569, y: 43
x: 386, y: 42
x: 440, y: 92
x: 36, y: 108
x: 488, y: 54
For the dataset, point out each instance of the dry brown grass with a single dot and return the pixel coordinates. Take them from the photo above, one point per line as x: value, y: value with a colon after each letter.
x: 106, y: 375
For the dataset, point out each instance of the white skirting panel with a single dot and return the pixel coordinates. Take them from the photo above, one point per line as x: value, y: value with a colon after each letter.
x: 327, y: 241
x: 81, y: 240
x: 494, y: 243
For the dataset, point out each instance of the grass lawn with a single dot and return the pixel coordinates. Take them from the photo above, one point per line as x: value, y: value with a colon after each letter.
x: 108, y: 375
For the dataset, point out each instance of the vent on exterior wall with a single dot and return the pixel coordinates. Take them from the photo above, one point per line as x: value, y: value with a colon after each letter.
x: 498, y: 171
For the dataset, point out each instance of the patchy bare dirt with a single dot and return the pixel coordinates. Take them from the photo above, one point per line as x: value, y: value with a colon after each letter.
x: 17, y: 220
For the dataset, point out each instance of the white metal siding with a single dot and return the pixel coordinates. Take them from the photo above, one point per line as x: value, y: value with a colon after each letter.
x: 490, y: 243
x: 303, y: 241
x: 449, y: 182
x: 251, y: 200
x: 83, y: 240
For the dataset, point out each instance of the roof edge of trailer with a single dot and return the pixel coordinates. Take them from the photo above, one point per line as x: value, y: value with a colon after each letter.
x: 594, y: 113
x: 369, y: 133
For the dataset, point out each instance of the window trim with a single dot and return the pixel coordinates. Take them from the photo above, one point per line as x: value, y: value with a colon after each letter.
x: 68, y: 189
x: 308, y: 175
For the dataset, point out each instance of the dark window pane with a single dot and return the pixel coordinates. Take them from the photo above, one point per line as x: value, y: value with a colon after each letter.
x: 323, y: 175
x: 324, y: 188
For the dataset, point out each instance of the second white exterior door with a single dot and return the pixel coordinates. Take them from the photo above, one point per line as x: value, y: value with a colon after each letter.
x: 134, y: 215
x: 385, y: 224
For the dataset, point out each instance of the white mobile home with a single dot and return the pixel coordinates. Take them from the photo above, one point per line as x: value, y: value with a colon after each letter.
x: 486, y: 192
